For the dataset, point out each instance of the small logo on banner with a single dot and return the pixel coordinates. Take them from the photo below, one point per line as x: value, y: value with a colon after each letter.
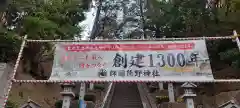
x: 102, y: 73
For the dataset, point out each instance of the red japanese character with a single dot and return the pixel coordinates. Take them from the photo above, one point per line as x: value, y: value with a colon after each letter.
x: 82, y: 65
x: 87, y: 66
x: 64, y: 59
x: 94, y: 65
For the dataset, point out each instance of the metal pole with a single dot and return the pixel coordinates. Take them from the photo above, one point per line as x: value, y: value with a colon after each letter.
x: 106, y: 96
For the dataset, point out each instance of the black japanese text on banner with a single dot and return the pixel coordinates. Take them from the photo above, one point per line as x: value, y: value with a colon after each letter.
x: 132, y: 61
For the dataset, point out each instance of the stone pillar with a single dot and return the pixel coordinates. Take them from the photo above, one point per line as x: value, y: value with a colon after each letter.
x: 160, y: 86
x: 189, y: 94
x: 171, y: 92
x: 91, y: 86
x: 66, y: 102
x: 189, y: 102
x: 81, y: 95
x: 67, y: 94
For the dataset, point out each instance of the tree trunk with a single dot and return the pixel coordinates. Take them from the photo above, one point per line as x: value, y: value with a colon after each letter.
x: 158, y: 32
x: 95, y: 28
x: 142, y: 18
x: 32, y: 55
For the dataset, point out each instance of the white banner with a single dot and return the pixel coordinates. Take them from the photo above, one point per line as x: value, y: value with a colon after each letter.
x: 132, y: 61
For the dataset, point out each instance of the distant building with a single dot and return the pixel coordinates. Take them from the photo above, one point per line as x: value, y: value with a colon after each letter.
x: 30, y: 104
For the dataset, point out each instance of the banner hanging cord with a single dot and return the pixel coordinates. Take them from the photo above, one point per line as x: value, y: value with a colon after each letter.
x: 160, y: 39
x: 127, y: 81
x: 11, y: 81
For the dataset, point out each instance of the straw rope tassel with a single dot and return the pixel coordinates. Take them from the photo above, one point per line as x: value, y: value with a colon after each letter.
x: 14, y: 71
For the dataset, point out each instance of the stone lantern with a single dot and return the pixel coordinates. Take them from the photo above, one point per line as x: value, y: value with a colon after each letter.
x: 189, y: 94
x: 67, y: 94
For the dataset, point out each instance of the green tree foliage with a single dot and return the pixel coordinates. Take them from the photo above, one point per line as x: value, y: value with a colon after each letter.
x: 190, y: 18
x: 58, y: 19
x: 9, y: 45
x: 46, y: 19
x: 39, y: 19
x: 58, y: 104
x: 11, y: 104
x: 178, y: 18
